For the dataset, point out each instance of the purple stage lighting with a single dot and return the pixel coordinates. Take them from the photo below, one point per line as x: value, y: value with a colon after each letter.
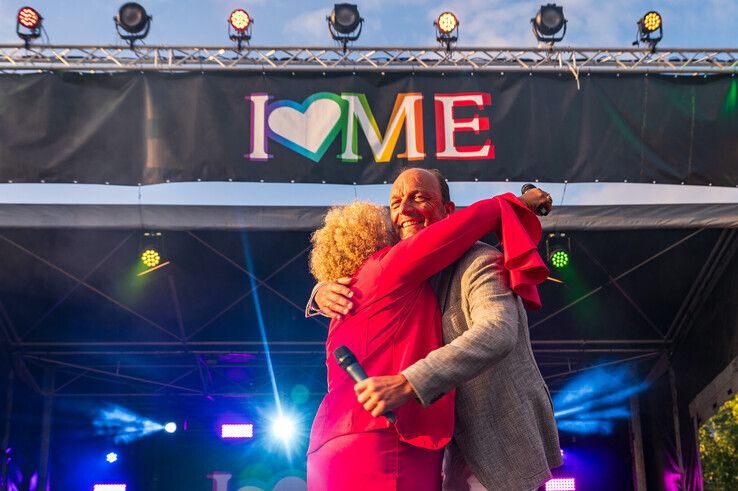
x: 109, y: 487
x: 561, y: 484
x: 236, y: 431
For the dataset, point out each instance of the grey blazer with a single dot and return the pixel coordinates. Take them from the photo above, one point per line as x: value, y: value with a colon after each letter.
x: 504, y: 424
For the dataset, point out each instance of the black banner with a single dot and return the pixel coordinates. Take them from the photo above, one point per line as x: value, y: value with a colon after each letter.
x: 131, y: 128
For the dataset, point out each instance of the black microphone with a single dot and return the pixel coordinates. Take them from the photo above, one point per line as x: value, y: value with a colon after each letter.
x: 541, y: 208
x: 347, y: 361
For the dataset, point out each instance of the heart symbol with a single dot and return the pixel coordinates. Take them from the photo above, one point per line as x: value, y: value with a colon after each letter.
x: 307, y: 128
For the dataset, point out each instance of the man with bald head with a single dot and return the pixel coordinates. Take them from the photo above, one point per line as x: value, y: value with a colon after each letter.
x: 505, y: 436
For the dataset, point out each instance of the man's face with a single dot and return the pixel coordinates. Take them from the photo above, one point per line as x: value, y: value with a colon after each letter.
x: 415, y: 202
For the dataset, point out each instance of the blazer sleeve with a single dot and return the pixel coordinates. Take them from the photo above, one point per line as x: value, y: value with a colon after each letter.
x: 491, y: 335
x: 417, y: 258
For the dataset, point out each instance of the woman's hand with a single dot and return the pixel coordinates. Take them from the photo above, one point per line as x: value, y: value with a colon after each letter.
x: 534, y: 198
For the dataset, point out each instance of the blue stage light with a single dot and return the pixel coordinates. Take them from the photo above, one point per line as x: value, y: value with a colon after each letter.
x: 111, y: 457
x: 170, y: 427
x: 123, y: 425
x: 593, y: 401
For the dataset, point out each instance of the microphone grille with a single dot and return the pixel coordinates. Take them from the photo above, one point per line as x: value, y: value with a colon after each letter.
x: 344, y: 356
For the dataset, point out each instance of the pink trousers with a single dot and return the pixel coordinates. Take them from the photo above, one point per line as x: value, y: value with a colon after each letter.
x: 375, y: 460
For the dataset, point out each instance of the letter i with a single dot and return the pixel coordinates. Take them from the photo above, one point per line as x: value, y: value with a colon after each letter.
x: 258, y: 149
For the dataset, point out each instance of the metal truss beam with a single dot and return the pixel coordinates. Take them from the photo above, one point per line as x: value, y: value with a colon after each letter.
x: 611, y: 279
x: 16, y: 58
x: 711, y: 272
x: 570, y: 372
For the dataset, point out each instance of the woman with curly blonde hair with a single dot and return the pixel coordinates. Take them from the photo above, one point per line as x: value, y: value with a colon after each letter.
x: 350, y: 235
x: 395, y: 322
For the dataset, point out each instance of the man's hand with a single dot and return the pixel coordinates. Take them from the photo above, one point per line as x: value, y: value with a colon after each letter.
x: 333, y: 298
x: 381, y: 394
x: 534, y: 197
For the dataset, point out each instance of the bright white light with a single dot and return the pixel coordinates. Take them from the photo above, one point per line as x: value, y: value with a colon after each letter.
x: 565, y: 484
x: 111, y: 457
x: 170, y: 427
x: 237, y: 430
x: 284, y: 428
x: 109, y: 487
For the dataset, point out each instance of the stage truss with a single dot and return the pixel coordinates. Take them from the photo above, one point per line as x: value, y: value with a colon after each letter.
x: 692, y: 61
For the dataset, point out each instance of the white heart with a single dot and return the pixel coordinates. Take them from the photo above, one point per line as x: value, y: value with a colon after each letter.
x: 307, y: 129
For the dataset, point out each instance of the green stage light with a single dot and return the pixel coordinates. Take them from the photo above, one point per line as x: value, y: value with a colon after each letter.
x: 560, y: 258
x: 558, y: 249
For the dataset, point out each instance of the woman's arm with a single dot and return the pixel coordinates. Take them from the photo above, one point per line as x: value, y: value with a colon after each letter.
x: 419, y: 257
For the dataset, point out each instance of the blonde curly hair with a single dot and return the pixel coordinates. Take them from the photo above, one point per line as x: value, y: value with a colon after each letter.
x: 350, y: 235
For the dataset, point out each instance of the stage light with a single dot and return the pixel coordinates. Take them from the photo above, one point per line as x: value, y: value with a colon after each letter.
x: 152, y: 252
x: 447, y: 29
x: 650, y: 30
x: 548, y: 22
x: 123, y: 425
x: 150, y: 258
x: 447, y: 22
x: 133, y: 19
x: 29, y: 18
x: 561, y: 484
x: 239, y: 26
x: 239, y: 20
x: 109, y: 487
x: 651, y: 21
x: 284, y: 428
x: 170, y: 427
x: 595, y: 400
x: 345, y: 23
x: 560, y: 258
x: 236, y: 431
x: 28, y: 25
x: 558, y: 249
x: 111, y: 457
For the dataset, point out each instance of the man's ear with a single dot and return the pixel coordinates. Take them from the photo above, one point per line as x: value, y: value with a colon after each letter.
x: 450, y: 207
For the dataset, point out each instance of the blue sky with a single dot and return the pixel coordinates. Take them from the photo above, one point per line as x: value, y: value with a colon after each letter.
x: 687, y: 23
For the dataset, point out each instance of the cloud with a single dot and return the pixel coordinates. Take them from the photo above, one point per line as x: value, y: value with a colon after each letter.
x: 308, y: 28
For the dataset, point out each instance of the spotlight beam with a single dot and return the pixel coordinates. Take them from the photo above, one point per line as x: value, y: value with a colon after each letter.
x: 260, y: 322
